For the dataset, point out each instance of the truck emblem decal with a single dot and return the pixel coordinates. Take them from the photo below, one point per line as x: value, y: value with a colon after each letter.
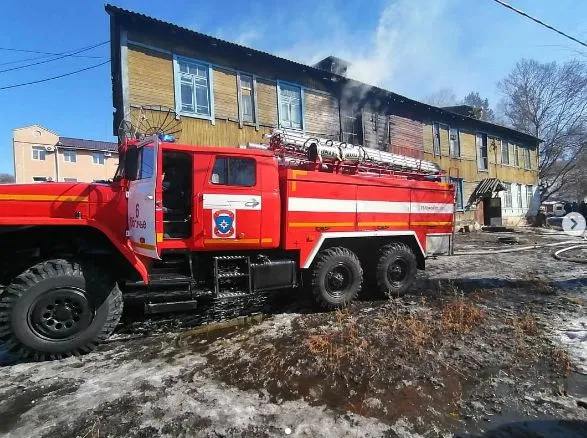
x: 224, y: 224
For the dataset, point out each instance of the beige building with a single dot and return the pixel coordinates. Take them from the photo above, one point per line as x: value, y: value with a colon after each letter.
x: 42, y: 155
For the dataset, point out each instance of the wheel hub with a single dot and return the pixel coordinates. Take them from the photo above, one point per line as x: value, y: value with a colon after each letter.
x: 397, y: 271
x: 338, y: 280
x: 61, y: 313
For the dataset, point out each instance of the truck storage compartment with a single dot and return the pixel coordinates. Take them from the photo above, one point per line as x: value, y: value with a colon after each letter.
x: 277, y: 274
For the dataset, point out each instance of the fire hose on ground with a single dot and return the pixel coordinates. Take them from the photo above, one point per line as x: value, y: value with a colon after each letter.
x: 566, y: 258
x: 556, y: 254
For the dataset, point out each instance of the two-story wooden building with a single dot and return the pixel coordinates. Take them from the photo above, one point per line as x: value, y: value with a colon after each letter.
x: 227, y: 94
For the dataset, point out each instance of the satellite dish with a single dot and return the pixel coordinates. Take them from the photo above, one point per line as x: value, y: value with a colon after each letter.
x: 150, y: 120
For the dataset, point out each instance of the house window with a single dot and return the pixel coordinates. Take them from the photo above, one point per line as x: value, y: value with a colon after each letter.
x: 351, y: 128
x: 505, y: 152
x: 529, y: 196
x: 234, y: 172
x: 527, y: 163
x: 70, y: 179
x: 69, y: 156
x: 458, y: 182
x: 516, y: 156
x: 290, y: 106
x: 482, y: 157
x: 455, y: 143
x: 39, y: 153
x: 519, y: 197
x: 436, y: 139
x: 507, y: 195
x: 40, y: 179
x: 247, y: 98
x: 98, y: 158
x: 192, y: 86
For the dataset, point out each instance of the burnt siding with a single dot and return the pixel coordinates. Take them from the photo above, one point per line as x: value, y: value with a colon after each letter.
x: 321, y: 114
x: 406, y: 136
x: 375, y: 130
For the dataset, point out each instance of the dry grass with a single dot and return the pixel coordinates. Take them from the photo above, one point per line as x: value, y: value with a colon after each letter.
x: 562, y: 360
x: 460, y: 316
x: 344, y: 344
x: 526, y: 325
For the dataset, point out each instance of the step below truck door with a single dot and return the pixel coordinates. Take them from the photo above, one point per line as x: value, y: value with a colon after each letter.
x: 232, y: 203
x: 141, y: 200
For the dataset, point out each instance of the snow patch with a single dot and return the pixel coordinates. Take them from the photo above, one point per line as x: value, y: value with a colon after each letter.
x: 573, y: 335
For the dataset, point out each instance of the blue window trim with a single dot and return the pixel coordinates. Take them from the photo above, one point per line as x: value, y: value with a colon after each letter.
x: 177, y: 83
x: 302, y: 104
x: 459, y: 183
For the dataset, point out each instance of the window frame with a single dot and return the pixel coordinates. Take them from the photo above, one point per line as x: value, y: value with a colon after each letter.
x: 280, y: 85
x: 508, y: 195
x: 478, y: 149
x: 527, y: 158
x: 436, y: 146
x: 177, y: 87
x: 253, y: 91
x: 69, y: 153
x: 519, y: 197
x: 40, y: 149
x: 516, y: 155
x: 68, y: 179
x: 96, y: 154
x: 450, y: 143
x: 529, y: 195
x: 508, y: 143
x: 227, y: 184
x: 458, y: 182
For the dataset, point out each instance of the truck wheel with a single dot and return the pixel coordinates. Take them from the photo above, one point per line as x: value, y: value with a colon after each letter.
x: 336, y: 278
x: 396, y: 269
x: 56, y: 309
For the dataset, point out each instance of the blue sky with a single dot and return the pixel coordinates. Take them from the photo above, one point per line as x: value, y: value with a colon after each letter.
x: 413, y: 47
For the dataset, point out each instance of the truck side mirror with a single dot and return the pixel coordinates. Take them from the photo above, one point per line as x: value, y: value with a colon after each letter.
x: 131, y: 163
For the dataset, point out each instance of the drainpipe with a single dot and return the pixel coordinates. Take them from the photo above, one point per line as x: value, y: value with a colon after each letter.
x: 56, y: 163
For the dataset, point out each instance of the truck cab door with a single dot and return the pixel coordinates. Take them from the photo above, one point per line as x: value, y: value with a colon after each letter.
x: 232, y: 203
x: 141, y: 198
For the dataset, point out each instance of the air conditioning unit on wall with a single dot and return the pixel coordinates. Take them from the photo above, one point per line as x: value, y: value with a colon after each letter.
x: 107, y: 154
x: 49, y: 148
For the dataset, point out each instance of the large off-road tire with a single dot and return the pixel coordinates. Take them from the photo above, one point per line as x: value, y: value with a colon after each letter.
x: 396, y: 269
x: 337, y: 277
x: 56, y: 309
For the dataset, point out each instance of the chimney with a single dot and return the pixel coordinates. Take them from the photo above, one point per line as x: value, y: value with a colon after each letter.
x: 332, y: 64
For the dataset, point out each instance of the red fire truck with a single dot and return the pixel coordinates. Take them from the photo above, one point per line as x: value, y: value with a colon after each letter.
x: 181, y: 223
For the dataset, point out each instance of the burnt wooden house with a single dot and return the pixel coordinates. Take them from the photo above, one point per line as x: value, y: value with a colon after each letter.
x: 227, y: 94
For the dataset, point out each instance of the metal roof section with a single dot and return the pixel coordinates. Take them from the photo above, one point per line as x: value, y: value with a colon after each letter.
x: 93, y: 145
x: 486, y: 187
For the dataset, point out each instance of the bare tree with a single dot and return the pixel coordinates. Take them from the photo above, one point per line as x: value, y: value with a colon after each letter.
x: 442, y: 97
x: 549, y: 101
x: 6, y: 178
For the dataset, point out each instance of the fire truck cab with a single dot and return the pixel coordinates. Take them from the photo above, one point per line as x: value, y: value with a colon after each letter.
x: 181, y: 224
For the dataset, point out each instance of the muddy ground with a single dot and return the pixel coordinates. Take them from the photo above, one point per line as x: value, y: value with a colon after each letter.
x: 491, y: 345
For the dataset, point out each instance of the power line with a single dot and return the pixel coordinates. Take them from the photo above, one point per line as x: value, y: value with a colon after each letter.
x: 54, y: 77
x: 10, y: 49
x: 35, y: 58
x: 542, y: 23
x: 85, y: 49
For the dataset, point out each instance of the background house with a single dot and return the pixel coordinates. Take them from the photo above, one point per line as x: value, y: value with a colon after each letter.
x: 42, y: 155
x: 227, y: 94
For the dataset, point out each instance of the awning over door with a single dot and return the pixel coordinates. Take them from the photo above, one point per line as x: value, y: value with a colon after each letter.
x: 485, y: 189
